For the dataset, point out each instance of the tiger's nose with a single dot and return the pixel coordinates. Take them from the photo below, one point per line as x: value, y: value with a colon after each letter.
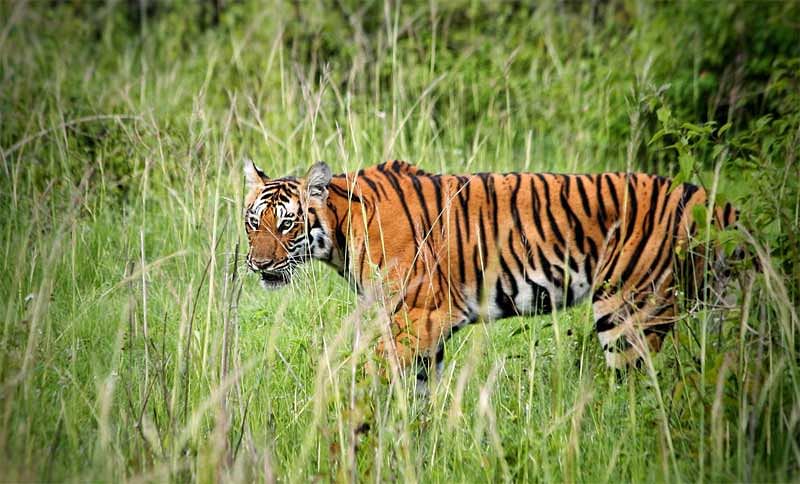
x: 258, y: 264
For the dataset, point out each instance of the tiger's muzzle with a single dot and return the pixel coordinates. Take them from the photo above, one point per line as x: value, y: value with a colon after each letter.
x: 274, y: 280
x: 273, y: 274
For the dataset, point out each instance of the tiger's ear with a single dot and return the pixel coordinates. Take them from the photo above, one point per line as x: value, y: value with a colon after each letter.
x: 253, y: 175
x: 317, y: 180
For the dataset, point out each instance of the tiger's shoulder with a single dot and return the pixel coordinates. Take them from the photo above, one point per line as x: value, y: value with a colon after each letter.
x: 396, y: 167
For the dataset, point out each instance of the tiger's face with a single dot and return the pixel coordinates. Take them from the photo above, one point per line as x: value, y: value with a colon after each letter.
x: 282, y: 222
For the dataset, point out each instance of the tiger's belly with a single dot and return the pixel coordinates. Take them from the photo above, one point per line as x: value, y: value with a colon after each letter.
x: 510, y: 295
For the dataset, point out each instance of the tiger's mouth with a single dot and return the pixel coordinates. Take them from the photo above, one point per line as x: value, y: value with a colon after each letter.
x: 274, y: 280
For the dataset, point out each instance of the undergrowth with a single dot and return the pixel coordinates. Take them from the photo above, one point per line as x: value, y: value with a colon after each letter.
x: 135, y: 347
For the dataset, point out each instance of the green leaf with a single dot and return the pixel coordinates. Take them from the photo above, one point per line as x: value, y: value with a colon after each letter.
x: 657, y: 136
x: 763, y: 121
x: 676, y: 181
x: 664, y: 114
x: 694, y: 128
x: 700, y: 215
x: 729, y: 239
x: 686, y: 162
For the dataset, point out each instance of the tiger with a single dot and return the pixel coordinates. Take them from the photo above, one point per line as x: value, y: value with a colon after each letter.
x: 457, y: 249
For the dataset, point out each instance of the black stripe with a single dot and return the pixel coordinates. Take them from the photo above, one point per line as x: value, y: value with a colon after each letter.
x: 482, y: 227
x: 611, y: 265
x: 341, y: 242
x: 688, y: 192
x: 361, y: 259
x: 593, y: 253
x: 601, y: 205
x: 464, y: 190
x: 584, y: 198
x: 436, y: 181
x: 345, y: 193
x: 491, y: 198
x: 504, y: 301
x: 401, y: 196
x: 604, y: 324
x: 613, y: 191
x: 415, y: 182
x: 551, y: 219
x: 520, y: 229
x: 545, y: 265
x: 512, y: 280
x: 477, y: 264
x: 520, y: 264
x: 647, y: 232
x: 371, y: 183
x: 535, y: 210
x: 575, y: 224
x: 565, y: 258
x: 632, y: 207
x: 460, y: 251
x: 495, y: 221
x: 726, y: 215
x: 665, y: 199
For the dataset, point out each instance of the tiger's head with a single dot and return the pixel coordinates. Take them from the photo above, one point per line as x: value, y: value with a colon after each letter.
x: 282, y: 217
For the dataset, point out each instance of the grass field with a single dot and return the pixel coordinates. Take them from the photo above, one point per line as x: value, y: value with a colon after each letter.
x: 134, y: 345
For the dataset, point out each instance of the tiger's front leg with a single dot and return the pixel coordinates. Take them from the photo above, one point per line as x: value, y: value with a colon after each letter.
x: 416, y: 343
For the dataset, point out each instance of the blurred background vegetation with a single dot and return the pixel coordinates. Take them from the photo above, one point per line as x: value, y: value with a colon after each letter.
x: 134, y: 347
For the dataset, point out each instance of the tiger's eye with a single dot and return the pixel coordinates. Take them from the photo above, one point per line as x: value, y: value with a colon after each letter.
x: 252, y: 221
x: 285, y: 225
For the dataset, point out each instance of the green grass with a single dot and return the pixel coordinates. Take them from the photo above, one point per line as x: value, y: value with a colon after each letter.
x: 135, y: 346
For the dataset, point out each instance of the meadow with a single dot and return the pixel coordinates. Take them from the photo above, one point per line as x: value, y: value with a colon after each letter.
x: 135, y: 346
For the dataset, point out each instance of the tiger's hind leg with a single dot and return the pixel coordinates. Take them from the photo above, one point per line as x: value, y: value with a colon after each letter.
x: 629, y: 329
